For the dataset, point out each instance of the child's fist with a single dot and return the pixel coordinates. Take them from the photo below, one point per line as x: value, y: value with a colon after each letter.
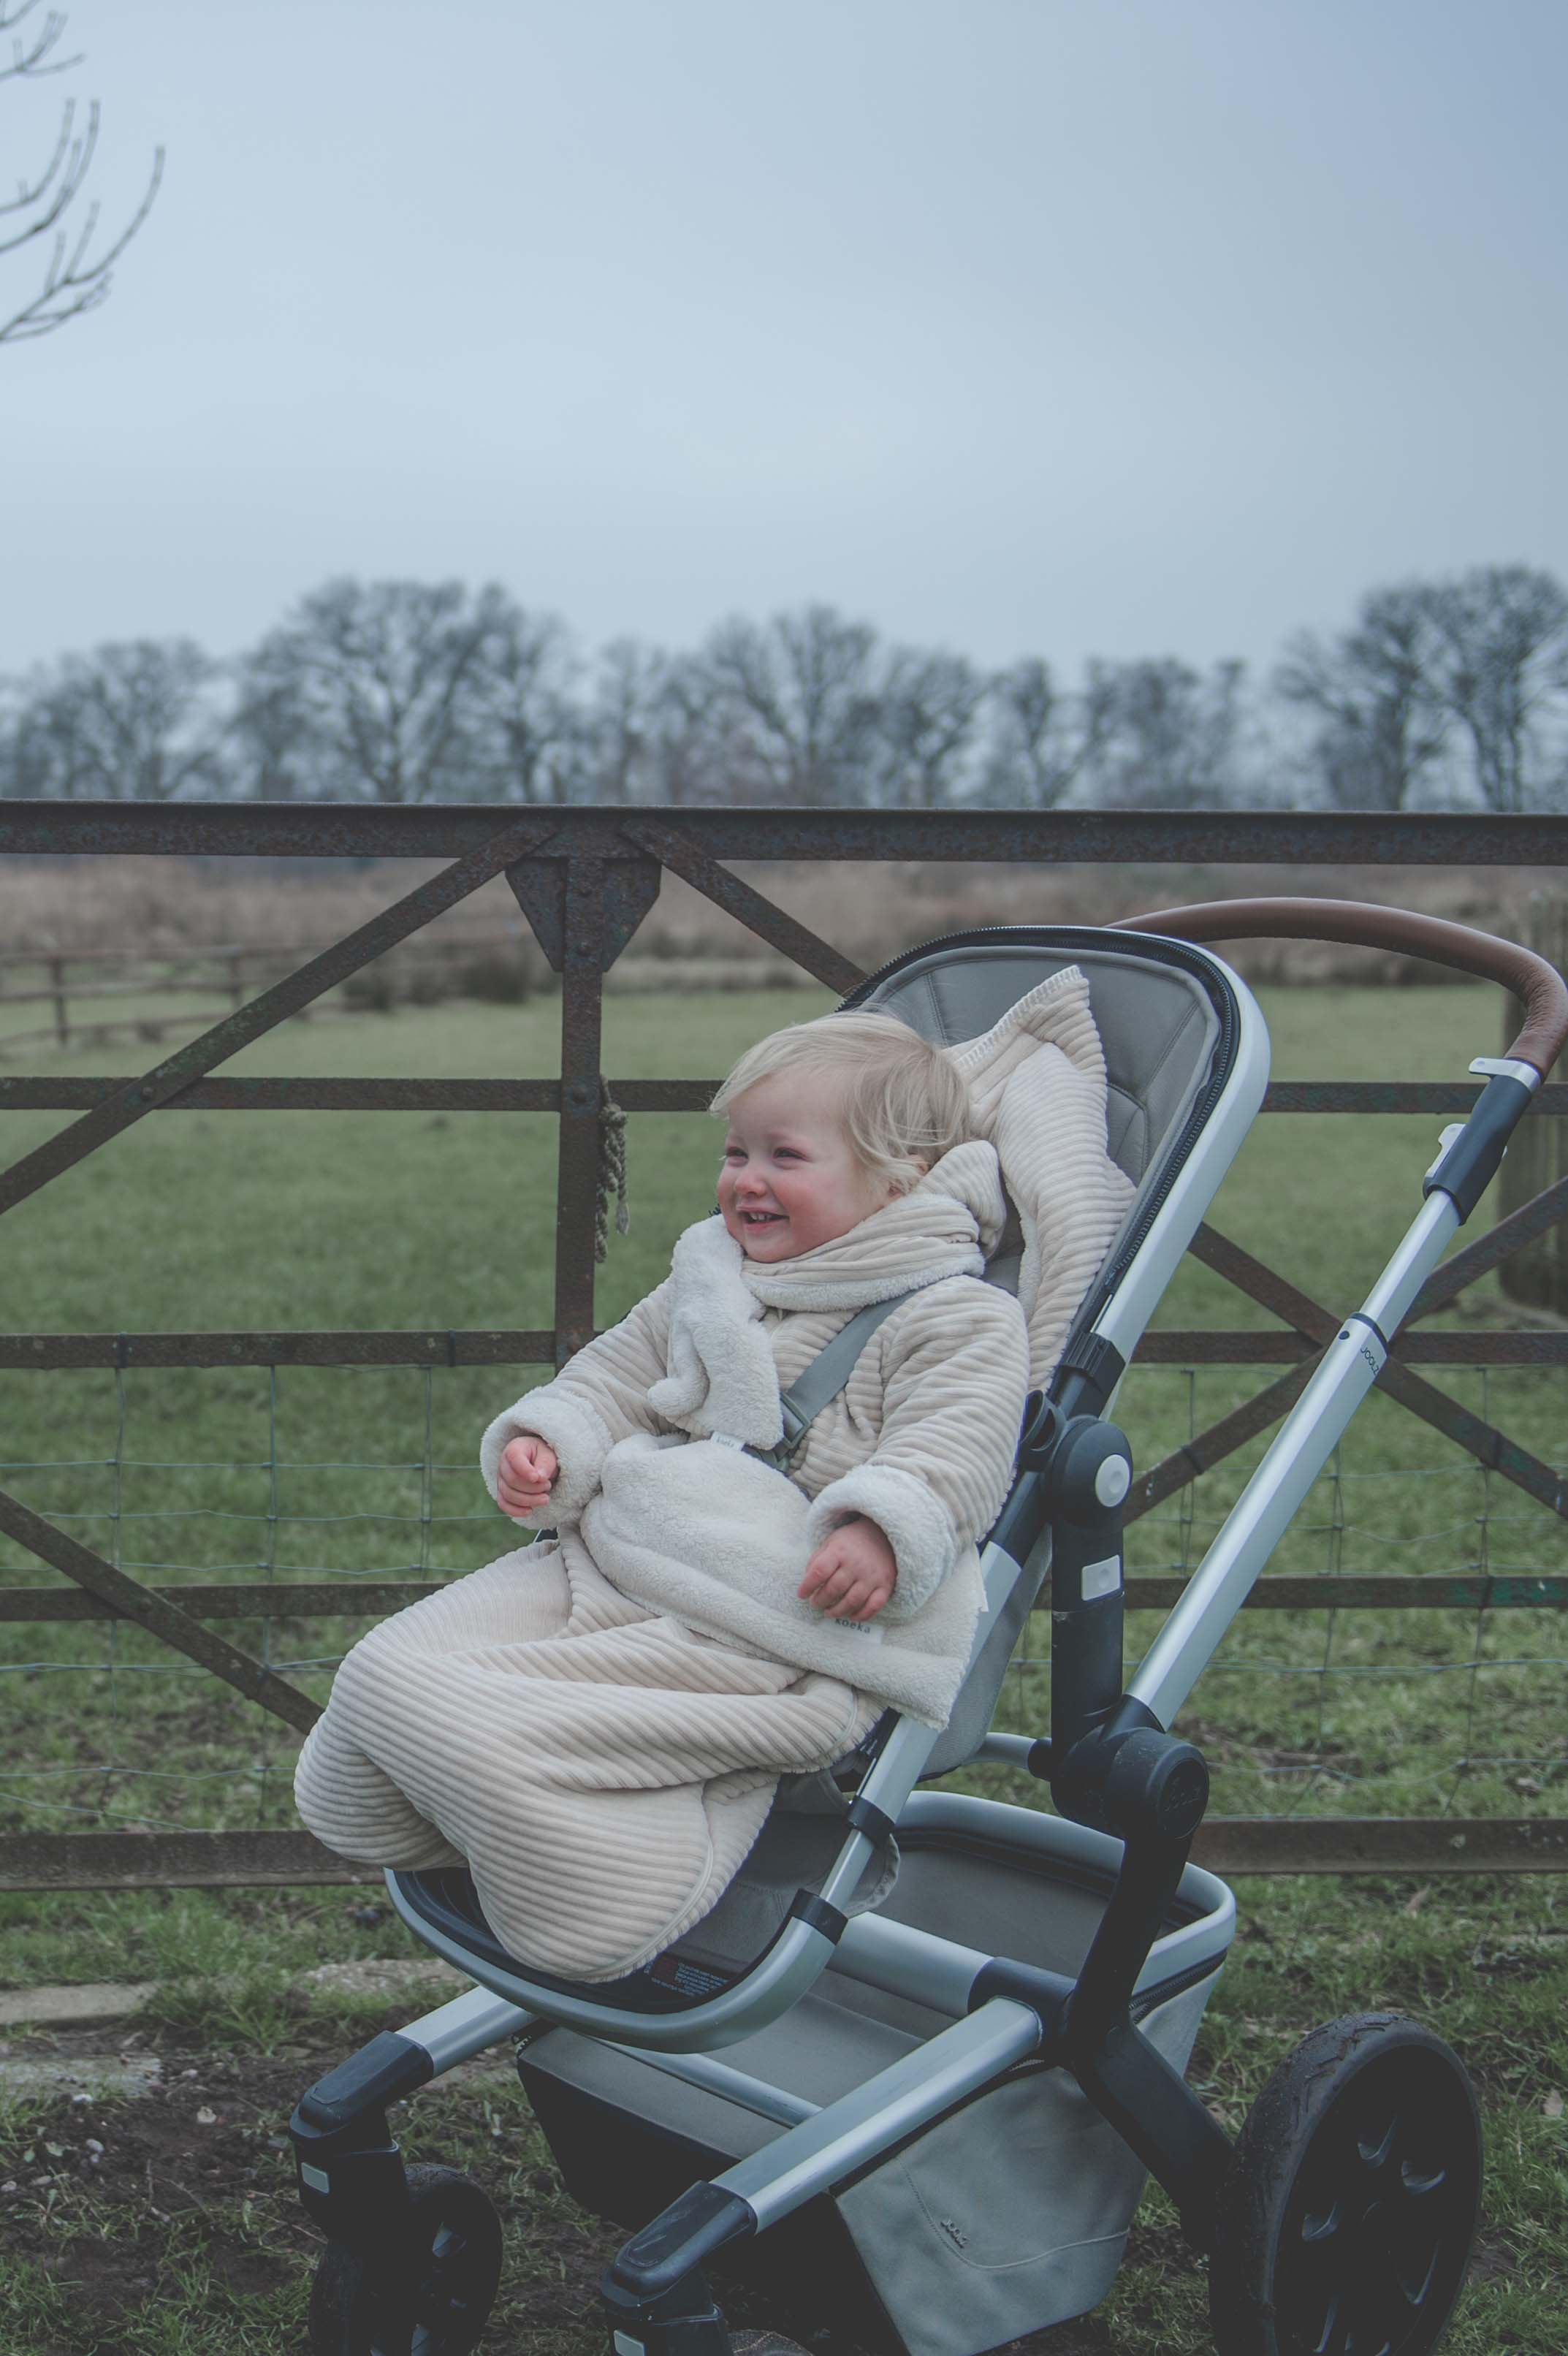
x: 852, y: 1574
x: 527, y: 1467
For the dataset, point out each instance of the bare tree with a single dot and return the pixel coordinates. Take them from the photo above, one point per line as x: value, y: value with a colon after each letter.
x: 73, y: 279
x: 1041, y: 741
x: 384, y: 678
x: 528, y: 740
x: 1170, y: 735
x: 803, y: 703
x: 1502, y: 672
x: 927, y: 717
x: 136, y: 721
x: 1374, y: 691
x: 274, y: 739
x: 697, y: 746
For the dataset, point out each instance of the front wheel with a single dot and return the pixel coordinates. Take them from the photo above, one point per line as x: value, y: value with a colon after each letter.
x: 432, y: 2297
x: 1349, y: 2208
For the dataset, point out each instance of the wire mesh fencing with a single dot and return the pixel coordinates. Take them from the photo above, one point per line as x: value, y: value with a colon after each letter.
x: 365, y: 1481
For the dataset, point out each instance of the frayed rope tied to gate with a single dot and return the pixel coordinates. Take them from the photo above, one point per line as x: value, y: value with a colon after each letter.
x: 611, y: 1177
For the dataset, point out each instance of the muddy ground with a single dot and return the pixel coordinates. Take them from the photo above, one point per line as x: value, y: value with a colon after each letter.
x: 181, y: 2198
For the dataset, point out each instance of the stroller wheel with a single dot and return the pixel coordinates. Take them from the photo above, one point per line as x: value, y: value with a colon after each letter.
x: 435, y: 2302
x: 1345, y: 2219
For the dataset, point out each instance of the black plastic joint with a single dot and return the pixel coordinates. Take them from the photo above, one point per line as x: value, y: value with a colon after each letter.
x: 1470, y: 1163
x: 1045, y: 1993
x: 864, y: 1816
x: 666, y: 2258
x: 1132, y: 1780
x: 807, y: 1906
x: 1088, y: 1373
x: 1086, y: 1446
x: 383, y: 2071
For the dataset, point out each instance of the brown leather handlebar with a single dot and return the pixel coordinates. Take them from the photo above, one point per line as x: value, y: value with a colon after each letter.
x: 1538, y: 985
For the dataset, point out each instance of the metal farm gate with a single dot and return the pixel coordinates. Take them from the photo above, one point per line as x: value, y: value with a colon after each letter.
x: 585, y: 879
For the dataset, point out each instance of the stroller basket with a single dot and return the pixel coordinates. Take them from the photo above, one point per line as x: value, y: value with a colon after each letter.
x: 1009, y: 2212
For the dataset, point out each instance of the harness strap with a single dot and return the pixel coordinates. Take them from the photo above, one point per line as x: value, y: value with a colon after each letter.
x: 818, y: 1385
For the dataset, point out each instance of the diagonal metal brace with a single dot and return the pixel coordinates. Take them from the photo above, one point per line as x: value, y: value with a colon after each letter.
x: 1482, y: 1441
x: 130, y: 1601
x: 251, y: 1021
x: 759, y: 915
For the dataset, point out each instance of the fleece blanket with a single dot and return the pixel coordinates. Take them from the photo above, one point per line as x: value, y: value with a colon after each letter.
x: 601, y: 1751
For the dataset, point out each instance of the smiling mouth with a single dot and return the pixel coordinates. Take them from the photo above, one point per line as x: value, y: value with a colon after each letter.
x: 761, y: 1218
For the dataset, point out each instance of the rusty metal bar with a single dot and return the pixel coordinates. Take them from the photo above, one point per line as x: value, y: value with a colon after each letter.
x: 1221, y: 1439
x: 1182, y: 838
x: 748, y: 907
x: 54, y: 1353
x: 504, y: 1346
x: 194, y: 1060
x: 1510, y: 1234
x: 1364, y: 1845
x: 290, y: 1598
x: 46, y: 1093
x: 1396, y: 1096
x: 576, y: 1166
x: 284, y: 1095
x: 1228, y: 1844
x: 155, y: 1613
x: 1504, y: 1347
x: 133, y: 1860
x: 1263, y: 1285
x: 1483, y: 1441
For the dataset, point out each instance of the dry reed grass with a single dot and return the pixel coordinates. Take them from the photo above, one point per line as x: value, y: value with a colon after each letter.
x: 164, y: 907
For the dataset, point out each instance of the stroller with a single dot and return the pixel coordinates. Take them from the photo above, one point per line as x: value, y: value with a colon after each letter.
x: 933, y: 2119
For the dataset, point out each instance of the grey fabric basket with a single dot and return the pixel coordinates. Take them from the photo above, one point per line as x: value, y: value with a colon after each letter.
x: 1004, y: 2217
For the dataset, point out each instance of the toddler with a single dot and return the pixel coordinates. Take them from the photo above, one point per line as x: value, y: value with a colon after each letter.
x: 596, y: 1724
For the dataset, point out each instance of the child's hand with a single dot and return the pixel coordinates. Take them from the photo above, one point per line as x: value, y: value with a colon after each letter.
x: 852, y: 1574
x: 527, y: 1467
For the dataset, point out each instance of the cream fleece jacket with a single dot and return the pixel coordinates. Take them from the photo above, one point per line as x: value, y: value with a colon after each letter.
x: 921, y: 1441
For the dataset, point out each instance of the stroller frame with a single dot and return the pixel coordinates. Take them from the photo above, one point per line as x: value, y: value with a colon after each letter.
x: 1129, y: 1793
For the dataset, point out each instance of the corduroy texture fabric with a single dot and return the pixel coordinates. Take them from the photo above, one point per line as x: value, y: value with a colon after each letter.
x: 1037, y: 1081
x: 601, y: 1770
x: 604, y: 1768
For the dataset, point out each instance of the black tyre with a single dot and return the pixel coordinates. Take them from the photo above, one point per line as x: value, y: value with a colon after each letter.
x: 434, y: 2299
x: 1347, y: 2216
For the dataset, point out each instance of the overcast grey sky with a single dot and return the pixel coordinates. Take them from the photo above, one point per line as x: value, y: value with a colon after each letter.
x: 1127, y: 326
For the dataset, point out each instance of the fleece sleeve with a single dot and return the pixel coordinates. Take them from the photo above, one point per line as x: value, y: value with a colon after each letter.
x: 956, y: 1373
x: 599, y: 1398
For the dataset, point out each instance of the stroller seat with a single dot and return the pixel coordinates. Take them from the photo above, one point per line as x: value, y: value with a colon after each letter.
x: 1171, y: 1027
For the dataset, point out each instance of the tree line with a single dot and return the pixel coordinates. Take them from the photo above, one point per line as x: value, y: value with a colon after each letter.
x: 1444, y: 693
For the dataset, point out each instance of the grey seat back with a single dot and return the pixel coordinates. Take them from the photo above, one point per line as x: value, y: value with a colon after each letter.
x: 1158, y: 1027
x: 1156, y: 1022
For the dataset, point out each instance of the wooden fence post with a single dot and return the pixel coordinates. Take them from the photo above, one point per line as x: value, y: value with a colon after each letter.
x: 1536, y: 1274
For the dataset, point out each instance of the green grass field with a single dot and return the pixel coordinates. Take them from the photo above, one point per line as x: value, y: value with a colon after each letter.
x: 210, y: 1221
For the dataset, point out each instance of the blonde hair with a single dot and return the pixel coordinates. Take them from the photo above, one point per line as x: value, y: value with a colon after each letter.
x: 903, y: 1104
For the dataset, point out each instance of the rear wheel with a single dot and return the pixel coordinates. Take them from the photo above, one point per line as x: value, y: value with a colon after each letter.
x: 1348, y: 2212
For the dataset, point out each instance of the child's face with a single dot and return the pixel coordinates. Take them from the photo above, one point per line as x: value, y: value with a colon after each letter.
x: 790, y: 1179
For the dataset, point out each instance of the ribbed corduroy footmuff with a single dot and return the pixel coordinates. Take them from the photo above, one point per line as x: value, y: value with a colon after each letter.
x: 601, y: 1770
x: 603, y: 1755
